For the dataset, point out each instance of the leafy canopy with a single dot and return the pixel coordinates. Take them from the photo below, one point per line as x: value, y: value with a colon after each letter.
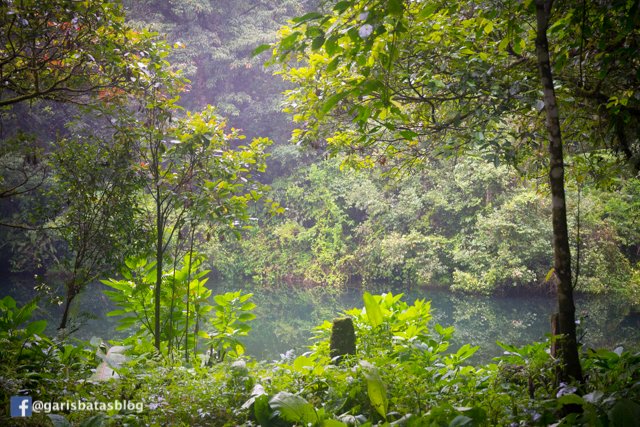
x: 70, y: 51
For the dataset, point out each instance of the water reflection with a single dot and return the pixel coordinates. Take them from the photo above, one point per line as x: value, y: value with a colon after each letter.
x: 285, y: 317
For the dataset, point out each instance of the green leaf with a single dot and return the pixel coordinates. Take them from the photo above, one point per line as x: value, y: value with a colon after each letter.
x: 248, y: 306
x: 130, y: 263
x: 117, y: 313
x: 477, y: 414
x: 333, y: 423
x: 395, y: 7
x: 466, y: 351
x: 289, y: 41
x: 307, y: 17
x: 625, y: 413
x: 245, y: 317
x: 36, y: 327
x: 141, y: 262
x: 570, y: 399
x: 293, y: 408
x: 221, y: 300
x: 374, y: 313
x: 341, y: 6
x: 331, y: 45
x: 8, y: 302
x: 331, y: 102
x: 151, y: 276
x: 262, y: 410
x: 375, y: 388
x: 488, y: 28
x: 408, y: 134
x: 317, y: 42
x: 334, y: 62
x: 510, y: 349
x: 428, y: 9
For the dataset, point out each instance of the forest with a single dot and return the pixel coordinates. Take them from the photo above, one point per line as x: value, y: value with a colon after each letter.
x: 319, y: 213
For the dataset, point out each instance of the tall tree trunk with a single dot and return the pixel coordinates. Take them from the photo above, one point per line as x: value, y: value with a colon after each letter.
x: 159, y: 266
x: 173, y: 305
x: 186, y: 323
x: 568, y: 345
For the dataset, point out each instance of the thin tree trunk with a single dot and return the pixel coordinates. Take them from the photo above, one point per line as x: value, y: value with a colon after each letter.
x: 568, y: 345
x: 159, y: 266
x: 173, y: 296
x: 65, y: 314
x: 186, y: 325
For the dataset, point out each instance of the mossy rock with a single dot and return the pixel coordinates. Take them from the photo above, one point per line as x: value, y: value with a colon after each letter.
x: 343, y: 338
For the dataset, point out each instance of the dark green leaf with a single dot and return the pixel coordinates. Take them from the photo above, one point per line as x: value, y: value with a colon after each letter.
x: 331, y: 45
x: 341, y: 6
x: 289, y: 41
x: 262, y: 410
x: 37, y: 327
x: 331, y: 102
x: 307, y: 17
x: 333, y: 64
x: 625, y: 413
x: 317, y: 42
x: 428, y: 9
x: 570, y: 399
x: 395, y: 7
x: 408, y: 134
x: 257, y: 51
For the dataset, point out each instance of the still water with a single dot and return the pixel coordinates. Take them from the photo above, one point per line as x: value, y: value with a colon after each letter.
x: 286, y: 317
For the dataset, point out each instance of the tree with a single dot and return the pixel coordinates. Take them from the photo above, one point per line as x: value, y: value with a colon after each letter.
x: 63, y: 51
x: 411, y: 80
x: 92, y: 208
x: 67, y: 51
x: 53, y: 55
x: 190, y: 170
x: 562, y: 253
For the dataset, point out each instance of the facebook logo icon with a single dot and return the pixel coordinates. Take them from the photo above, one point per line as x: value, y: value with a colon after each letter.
x: 21, y: 406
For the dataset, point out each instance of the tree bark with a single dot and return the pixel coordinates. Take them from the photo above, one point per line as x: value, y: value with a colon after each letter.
x: 568, y: 344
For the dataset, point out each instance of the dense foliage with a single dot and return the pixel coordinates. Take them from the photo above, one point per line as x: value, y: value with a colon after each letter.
x: 404, y: 373
x: 423, y: 165
x: 214, y: 41
x: 406, y: 81
x: 464, y: 225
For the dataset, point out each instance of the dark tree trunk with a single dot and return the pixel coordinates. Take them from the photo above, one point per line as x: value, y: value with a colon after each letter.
x: 568, y: 345
x: 65, y: 314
